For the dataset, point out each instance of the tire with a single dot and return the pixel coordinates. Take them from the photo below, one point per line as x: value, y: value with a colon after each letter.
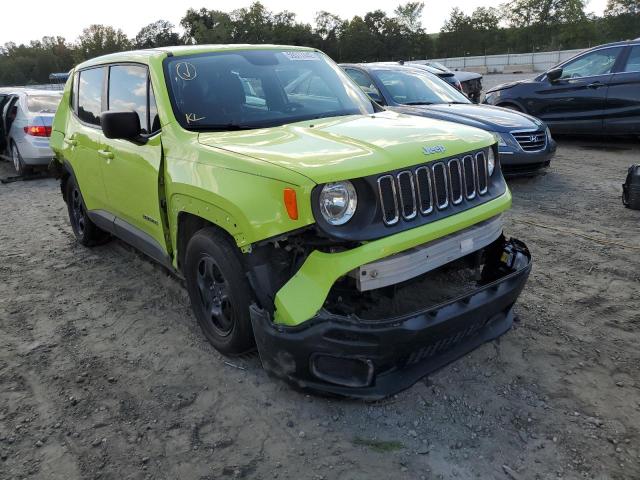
x: 18, y: 163
x: 85, y: 231
x: 219, y: 291
x: 511, y: 106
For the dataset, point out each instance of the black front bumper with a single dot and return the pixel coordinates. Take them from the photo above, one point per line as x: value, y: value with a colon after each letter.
x: 374, y: 359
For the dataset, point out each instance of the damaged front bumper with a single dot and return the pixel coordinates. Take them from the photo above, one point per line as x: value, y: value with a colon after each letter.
x: 372, y: 359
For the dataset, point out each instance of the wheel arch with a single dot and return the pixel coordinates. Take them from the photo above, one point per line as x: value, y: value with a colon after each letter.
x: 188, y: 223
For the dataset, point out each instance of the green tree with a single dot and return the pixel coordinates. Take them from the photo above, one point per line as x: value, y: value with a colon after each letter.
x: 207, y: 26
x: 156, y: 34
x: 97, y: 40
x: 409, y: 16
x: 622, y: 7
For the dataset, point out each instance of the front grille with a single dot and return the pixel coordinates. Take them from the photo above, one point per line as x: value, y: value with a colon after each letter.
x: 532, y: 141
x: 436, y: 185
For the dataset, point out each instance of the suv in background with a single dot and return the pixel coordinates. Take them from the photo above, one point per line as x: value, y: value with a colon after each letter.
x: 296, y: 211
x: 25, y: 126
x: 595, y: 92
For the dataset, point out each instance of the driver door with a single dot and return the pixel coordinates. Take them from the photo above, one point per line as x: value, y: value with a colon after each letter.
x: 576, y: 101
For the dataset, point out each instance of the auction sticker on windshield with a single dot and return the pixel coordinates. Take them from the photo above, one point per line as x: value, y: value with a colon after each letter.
x: 301, y: 55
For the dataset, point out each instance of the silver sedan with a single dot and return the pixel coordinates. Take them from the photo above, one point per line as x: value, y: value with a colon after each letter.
x: 25, y: 126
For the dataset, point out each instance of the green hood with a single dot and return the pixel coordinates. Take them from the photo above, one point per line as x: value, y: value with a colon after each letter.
x: 342, y: 148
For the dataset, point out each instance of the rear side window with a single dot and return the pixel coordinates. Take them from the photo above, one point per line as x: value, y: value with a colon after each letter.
x: 90, y: 86
x: 633, y: 62
x: 43, y: 103
x: 128, y: 91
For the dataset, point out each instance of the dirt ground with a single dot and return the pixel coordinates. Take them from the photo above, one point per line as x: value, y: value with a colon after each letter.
x: 105, y: 374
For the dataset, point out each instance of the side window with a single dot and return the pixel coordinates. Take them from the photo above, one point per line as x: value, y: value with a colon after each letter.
x: 154, y: 119
x: 128, y: 91
x: 90, y: 95
x: 591, y: 64
x: 365, y: 83
x: 633, y: 62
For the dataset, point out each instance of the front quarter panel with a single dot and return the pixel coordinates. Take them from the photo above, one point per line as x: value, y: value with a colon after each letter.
x: 243, y: 196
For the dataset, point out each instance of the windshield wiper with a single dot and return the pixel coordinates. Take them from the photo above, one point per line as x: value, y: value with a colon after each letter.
x: 418, y: 103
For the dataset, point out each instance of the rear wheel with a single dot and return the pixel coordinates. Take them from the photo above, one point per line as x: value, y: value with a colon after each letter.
x: 85, y: 231
x: 219, y: 291
x: 18, y: 162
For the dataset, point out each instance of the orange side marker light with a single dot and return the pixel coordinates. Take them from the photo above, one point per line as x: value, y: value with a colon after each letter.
x: 291, y: 203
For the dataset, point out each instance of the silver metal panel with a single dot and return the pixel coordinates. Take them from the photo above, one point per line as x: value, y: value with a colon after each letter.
x: 411, y: 263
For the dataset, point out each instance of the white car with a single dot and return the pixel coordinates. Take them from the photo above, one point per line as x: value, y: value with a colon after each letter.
x: 25, y: 126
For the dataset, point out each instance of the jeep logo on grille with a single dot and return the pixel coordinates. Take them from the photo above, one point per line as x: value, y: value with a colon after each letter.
x: 433, y: 149
x: 534, y: 138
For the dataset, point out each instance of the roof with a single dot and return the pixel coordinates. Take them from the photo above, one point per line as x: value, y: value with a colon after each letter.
x: 383, y: 66
x: 180, y: 50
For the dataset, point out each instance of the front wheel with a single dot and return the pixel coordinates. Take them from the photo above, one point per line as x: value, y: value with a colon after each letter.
x: 219, y: 291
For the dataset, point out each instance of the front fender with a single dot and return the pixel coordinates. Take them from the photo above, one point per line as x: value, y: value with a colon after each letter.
x: 249, y: 207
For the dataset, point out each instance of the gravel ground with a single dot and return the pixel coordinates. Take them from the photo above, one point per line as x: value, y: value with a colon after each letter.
x: 104, y: 373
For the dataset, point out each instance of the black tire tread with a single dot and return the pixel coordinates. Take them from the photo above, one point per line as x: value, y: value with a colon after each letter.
x: 214, y: 242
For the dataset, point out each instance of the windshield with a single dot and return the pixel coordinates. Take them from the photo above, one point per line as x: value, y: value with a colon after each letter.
x: 259, y: 88
x: 413, y: 87
x: 43, y: 103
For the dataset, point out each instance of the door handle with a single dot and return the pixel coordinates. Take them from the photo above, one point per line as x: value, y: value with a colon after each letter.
x: 71, y: 142
x: 595, y: 85
x: 105, y: 154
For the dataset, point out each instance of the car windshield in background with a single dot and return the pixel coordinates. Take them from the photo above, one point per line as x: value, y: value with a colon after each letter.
x: 43, y: 103
x: 259, y: 88
x: 417, y: 88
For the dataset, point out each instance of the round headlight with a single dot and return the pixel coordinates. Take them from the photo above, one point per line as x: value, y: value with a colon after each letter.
x: 338, y: 202
x: 491, y: 161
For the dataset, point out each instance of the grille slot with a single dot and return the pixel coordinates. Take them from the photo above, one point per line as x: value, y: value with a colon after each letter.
x: 469, y: 174
x: 532, y: 141
x: 438, y: 185
x: 407, y: 195
x: 425, y: 189
x: 388, y: 199
x: 482, y: 170
x: 455, y: 181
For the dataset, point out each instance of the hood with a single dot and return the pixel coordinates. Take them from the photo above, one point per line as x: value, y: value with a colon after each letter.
x: 342, y: 148
x: 504, y: 86
x: 486, y: 117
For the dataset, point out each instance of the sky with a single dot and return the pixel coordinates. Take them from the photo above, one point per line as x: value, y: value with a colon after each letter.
x: 67, y: 18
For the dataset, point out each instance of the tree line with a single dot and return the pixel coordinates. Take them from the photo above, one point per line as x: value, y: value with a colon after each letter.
x: 519, y: 26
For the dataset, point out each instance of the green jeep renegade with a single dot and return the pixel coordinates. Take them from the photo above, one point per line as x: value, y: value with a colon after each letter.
x: 356, y: 248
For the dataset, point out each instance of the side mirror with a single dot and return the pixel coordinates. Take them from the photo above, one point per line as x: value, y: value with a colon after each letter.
x: 554, y: 74
x: 119, y: 124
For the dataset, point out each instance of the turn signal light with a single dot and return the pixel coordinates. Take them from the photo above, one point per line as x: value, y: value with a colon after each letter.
x: 291, y: 203
x: 37, y: 130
